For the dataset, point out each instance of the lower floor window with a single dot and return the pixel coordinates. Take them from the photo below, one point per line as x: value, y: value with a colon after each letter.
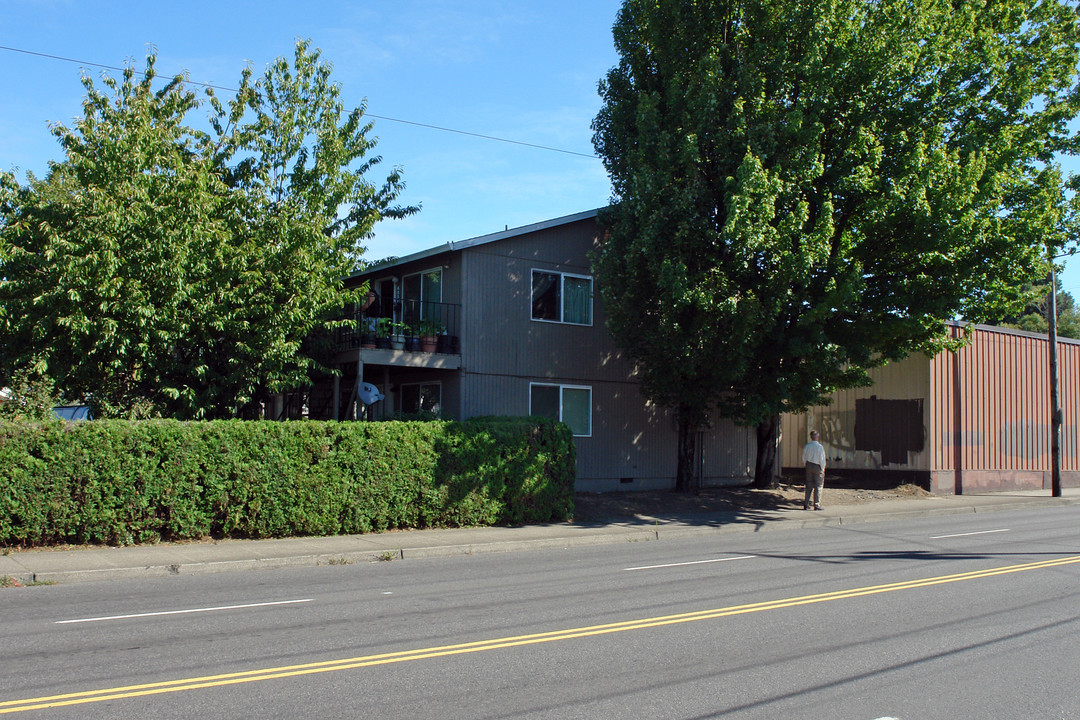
x: 421, y: 397
x: 571, y: 404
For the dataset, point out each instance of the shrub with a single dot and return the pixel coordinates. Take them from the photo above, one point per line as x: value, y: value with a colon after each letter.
x: 122, y: 481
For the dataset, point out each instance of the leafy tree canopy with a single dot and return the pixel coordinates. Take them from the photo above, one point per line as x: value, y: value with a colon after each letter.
x: 1036, y: 313
x: 186, y: 268
x: 29, y: 399
x: 804, y: 190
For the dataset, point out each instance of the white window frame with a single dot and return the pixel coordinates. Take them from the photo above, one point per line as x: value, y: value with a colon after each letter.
x: 562, y: 387
x: 562, y: 296
x: 424, y: 301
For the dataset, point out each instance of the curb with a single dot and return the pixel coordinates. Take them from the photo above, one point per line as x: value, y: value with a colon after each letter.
x: 554, y: 543
x: 615, y: 533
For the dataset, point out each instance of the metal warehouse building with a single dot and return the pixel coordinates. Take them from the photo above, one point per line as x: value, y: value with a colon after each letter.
x: 974, y: 420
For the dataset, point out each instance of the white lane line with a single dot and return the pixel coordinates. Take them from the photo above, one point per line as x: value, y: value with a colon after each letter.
x: 181, y: 612
x: 980, y: 532
x: 692, y: 562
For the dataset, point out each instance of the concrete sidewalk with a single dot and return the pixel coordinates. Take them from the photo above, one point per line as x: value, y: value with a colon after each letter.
x: 83, y: 564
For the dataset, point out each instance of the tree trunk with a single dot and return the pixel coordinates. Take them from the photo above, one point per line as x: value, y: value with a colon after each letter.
x: 687, y: 479
x: 768, y: 441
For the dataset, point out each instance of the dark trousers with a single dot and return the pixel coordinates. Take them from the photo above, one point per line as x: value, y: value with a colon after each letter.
x: 815, y: 481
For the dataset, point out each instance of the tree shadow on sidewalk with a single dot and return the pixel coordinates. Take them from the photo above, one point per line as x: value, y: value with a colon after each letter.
x: 667, y: 505
x: 717, y: 505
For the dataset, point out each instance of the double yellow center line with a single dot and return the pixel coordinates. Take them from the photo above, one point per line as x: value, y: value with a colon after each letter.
x: 131, y: 691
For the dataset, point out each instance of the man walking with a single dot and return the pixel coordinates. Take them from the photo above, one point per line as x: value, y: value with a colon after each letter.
x: 814, y: 457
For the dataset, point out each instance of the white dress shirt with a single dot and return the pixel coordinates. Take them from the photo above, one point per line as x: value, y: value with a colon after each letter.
x: 813, y: 452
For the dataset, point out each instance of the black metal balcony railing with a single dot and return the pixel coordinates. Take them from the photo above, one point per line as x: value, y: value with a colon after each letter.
x: 411, y: 319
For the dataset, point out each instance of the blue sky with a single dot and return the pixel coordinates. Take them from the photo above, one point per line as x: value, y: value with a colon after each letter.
x: 525, y: 71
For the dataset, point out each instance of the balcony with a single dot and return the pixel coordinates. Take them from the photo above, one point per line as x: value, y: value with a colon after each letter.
x: 407, y: 333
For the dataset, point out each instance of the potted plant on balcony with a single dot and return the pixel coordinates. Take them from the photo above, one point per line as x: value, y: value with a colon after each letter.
x: 382, y: 333
x: 367, y: 332
x: 412, y: 342
x: 448, y: 343
x: 397, y: 337
x: 429, y: 334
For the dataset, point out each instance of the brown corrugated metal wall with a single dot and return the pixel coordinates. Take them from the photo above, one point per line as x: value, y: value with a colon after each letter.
x: 990, y: 415
x: 986, y: 410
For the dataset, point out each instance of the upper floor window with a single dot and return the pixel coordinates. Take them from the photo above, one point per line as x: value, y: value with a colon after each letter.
x: 422, y: 296
x: 561, y: 297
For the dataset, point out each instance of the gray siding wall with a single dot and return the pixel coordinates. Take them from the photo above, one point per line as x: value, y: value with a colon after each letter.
x: 633, y: 444
x: 447, y: 261
x: 499, y: 335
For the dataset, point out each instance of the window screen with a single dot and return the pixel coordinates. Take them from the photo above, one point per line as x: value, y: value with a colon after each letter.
x: 577, y: 410
x: 577, y: 300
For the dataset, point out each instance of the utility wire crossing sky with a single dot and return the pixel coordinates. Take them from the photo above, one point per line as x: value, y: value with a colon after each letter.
x: 488, y: 105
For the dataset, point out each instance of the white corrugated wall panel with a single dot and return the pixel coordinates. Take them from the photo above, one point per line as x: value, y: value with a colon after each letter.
x: 907, y: 381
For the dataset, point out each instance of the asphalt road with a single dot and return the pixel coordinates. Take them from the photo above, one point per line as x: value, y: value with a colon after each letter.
x: 973, y: 616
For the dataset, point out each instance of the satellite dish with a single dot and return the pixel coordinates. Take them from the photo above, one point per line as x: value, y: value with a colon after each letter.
x: 368, y: 393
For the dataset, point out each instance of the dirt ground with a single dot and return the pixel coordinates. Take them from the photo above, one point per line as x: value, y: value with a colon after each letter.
x: 595, y: 507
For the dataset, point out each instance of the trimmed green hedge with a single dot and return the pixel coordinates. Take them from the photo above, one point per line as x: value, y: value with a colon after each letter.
x: 123, y: 482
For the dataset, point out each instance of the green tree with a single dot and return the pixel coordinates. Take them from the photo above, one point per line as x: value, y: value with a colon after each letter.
x: 1035, y: 315
x: 803, y: 191
x: 28, y: 397
x: 95, y: 257
x: 188, y: 268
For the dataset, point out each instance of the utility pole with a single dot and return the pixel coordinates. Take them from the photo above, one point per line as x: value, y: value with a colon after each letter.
x: 1055, y: 402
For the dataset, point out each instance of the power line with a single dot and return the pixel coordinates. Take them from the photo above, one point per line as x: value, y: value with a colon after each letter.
x: 478, y: 135
x: 106, y: 67
x: 371, y: 115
